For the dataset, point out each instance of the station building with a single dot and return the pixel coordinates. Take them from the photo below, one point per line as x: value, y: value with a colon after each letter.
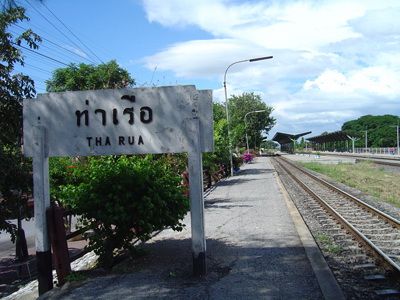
x: 286, y: 140
x: 335, y: 141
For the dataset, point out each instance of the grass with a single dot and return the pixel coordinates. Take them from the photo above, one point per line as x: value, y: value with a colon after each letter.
x: 364, y: 176
x: 328, y: 244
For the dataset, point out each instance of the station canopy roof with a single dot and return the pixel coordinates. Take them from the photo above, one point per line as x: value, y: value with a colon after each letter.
x: 336, y: 136
x: 286, y: 138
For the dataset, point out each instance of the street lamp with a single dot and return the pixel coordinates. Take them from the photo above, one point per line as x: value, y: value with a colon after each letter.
x: 352, y: 142
x: 226, y: 102
x: 245, y: 123
x: 294, y: 145
x: 397, y: 130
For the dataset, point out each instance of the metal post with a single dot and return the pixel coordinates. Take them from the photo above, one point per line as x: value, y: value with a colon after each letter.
x: 227, y: 120
x: 41, y: 203
x: 397, y: 135
x: 366, y: 141
x: 398, y: 149
x: 226, y: 101
x: 247, y: 143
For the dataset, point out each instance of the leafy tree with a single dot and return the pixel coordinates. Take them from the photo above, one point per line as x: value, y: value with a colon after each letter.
x: 15, y: 180
x: 89, y: 77
x: 269, y: 144
x: 257, y: 123
x: 220, y: 156
x: 381, y: 131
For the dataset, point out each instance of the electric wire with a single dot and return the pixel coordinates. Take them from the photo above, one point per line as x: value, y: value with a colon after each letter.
x: 55, y: 52
x: 38, y: 53
x: 70, y: 31
x: 54, y: 26
x: 58, y: 45
x: 43, y: 61
x: 56, y: 42
x: 38, y: 69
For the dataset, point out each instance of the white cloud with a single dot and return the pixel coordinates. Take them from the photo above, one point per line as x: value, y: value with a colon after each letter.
x: 198, y: 58
x: 372, y: 80
x: 334, y: 60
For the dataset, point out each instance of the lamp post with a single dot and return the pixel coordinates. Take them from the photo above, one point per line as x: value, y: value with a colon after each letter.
x: 397, y: 131
x: 226, y: 102
x: 245, y: 124
x: 294, y: 145
x: 366, y: 141
x: 352, y: 142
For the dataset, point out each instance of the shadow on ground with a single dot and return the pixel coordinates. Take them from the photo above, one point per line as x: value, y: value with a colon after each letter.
x: 165, y: 271
x: 223, y: 203
x: 256, y: 171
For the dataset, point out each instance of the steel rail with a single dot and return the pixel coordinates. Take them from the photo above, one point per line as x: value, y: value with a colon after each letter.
x: 361, y: 238
x: 392, y: 221
x: 376, y: 160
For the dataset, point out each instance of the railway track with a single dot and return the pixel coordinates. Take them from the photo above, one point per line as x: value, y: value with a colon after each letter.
x: 387, y: 161
x: 377, y: 232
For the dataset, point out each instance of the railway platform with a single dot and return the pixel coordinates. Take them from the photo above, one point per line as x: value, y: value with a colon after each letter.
x: 257, y: 248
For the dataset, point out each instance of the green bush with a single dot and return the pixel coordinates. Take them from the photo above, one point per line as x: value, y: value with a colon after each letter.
x: 121, y: 198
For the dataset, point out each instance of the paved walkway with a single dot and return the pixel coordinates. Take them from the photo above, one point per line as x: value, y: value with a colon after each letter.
x: 253, y: 251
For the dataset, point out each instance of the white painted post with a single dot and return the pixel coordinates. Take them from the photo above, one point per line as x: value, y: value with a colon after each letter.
x: 41, y: 203
x: 196, y: 198
x: 398, y: 146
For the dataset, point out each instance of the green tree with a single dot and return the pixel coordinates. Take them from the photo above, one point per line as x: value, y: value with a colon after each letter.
x: 381, y: 130
x: 89, y: 77
x: 269, y: 145
x: 15, y: 180
x: 257, y: 123
x: 220, y: 155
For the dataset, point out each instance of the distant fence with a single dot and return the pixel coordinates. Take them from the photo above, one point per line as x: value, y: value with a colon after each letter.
x: 385, y: 151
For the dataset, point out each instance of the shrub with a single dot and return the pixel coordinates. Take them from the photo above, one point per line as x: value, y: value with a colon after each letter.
x: 123, y: 198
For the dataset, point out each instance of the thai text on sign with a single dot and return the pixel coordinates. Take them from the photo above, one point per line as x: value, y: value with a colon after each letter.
x: 119, y: 121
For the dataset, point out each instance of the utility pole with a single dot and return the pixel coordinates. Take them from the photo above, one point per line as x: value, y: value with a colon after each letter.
x: 366, y: 141
x: 352, y: 141
x: 294, y: 145
x: 226, y: 102
x: 397, y: 130
x: 397, y: 136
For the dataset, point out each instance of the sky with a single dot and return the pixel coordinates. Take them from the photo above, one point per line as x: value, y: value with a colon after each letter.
x: 333, y: 61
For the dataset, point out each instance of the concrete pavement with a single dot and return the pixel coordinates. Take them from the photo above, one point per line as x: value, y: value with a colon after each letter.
x: 254, y: 251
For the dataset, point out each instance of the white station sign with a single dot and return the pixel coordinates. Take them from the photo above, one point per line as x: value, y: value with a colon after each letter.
x: 120, y: 121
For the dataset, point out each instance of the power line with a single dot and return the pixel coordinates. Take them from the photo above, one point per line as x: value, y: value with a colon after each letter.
x: 71, y: 32
x: 38, y: 53
x: 38, y: 68
x: 51, y: 23
x: 59, y: 46
x: 54, y: 51
x: 42, y: 61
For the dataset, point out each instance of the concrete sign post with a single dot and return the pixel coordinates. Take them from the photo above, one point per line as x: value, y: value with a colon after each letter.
x: 196, y: 193
x: 121, y: 121
x: 40, y: 162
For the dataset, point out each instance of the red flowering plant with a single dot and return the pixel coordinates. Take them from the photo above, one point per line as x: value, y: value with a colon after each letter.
x: 247, y: 157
